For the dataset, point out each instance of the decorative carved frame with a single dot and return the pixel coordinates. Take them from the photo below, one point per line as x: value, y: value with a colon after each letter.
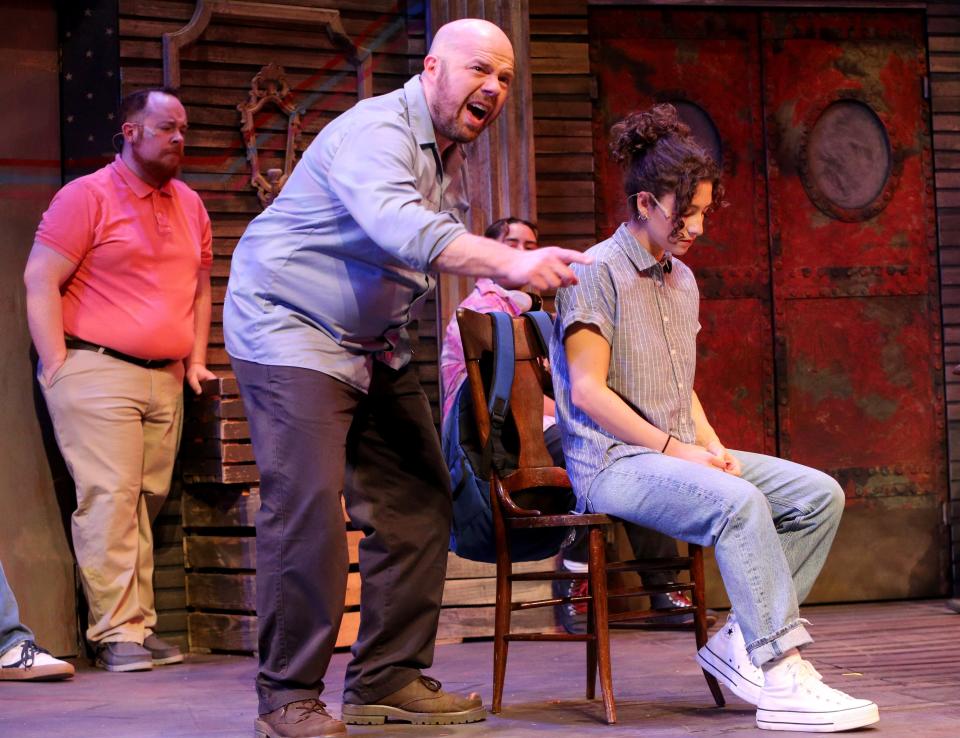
x: 206, y: 10
x: 269, y: 86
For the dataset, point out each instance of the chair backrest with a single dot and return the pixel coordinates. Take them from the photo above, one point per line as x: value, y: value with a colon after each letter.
x: 522, y: 436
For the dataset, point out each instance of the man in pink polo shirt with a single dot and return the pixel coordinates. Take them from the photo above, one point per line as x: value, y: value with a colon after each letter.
x: 118, y: 303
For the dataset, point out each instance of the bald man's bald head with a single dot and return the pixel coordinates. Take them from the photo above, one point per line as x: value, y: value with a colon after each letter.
x: 468, y: 30
x: 466, y: 77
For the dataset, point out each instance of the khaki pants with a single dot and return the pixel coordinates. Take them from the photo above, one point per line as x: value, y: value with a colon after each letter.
x: 118, y: 426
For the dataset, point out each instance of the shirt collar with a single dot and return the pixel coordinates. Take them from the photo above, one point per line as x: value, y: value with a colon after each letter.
x: 140, y: 188
x: 420, y: 121
x: 641, y: 258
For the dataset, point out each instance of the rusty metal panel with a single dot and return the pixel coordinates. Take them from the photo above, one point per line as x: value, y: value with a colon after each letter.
x: 855, y: 390
x: 856, y: 303
x: 708, y: 64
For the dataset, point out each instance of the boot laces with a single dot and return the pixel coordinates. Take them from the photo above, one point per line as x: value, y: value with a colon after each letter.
x: 309, y: 708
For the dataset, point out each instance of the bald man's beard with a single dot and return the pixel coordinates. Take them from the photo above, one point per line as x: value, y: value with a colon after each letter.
x: 446, y: 121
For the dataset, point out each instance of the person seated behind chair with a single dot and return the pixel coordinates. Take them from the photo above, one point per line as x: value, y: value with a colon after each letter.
x: 21, y: 659
x: 487, y: 296
x: 638, y: 444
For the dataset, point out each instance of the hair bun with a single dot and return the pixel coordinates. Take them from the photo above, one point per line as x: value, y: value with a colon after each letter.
x: 639, y: 131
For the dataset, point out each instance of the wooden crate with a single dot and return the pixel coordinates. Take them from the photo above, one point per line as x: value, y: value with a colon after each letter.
x: 220, y: 560
x: 216, y: 446
x: 220, y: 557
x: 470, y: 594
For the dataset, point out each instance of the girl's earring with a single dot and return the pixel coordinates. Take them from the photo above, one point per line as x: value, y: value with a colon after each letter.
x: 643, y: 216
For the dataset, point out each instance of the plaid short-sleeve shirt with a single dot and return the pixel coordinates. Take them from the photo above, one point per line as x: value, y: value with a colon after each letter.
x: 650, y: 319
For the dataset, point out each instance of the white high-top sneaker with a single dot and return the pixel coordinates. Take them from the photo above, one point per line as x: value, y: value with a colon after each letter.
x: 725, y: 656
x: 795, y: 698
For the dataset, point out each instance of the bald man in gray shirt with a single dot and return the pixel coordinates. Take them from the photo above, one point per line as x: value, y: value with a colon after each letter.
x: 322, y: 287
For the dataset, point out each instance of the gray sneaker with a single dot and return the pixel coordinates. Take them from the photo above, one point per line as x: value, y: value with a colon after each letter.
x: 161, y: 652
x: 123, y: 656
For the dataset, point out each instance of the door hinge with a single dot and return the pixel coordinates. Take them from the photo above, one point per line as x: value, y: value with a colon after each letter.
x: 925, y: 81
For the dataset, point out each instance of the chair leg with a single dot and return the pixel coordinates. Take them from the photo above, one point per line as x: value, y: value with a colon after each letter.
x: 501, y: 626
x: 700, y: 616
x: 598, y: 587
x: 591, y: 652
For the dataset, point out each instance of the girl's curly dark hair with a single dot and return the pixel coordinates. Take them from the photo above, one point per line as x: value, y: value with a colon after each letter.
x: 660, y: 156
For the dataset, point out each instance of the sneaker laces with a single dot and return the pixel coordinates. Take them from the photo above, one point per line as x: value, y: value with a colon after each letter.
x: 807, y: 677
x: 28, y: 652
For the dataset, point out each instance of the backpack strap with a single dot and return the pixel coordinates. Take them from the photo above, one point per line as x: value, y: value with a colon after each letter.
x: 542, y: 328
x: 498, y: 403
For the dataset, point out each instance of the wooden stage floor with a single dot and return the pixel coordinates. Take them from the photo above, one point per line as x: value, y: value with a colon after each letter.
x: 903, y: 655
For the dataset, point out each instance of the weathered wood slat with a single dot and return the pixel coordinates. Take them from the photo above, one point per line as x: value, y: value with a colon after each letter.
x: 168, y: 577
x: 558, y: 26
x: 469, y: 592
x: 398, y: 44
x: 564, y: 163
x: 170, y: 599
x: 477, y: 622
x: 211, y: 53
x: 558, y: 7
x: 223, y: 632
x: 239, y: 552
x: 227, y: 430
x: 545, y: 108
x: 214, y: 448
x: 172, y: 622
x: 547, y: 206
x: 543, y: 128
x: 238, y: 591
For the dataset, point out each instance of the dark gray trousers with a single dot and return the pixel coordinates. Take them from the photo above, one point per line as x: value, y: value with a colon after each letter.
x: 313, y: 437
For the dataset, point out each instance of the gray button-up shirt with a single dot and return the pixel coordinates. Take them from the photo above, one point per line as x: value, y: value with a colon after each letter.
x: 650, y: 320
x: 327, y: 277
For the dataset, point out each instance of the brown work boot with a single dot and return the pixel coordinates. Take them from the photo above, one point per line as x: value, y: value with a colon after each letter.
x: 300, y: 719
x: 421, y: 702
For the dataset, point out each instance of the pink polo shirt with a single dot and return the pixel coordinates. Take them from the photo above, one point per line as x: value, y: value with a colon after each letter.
x: 138, y: 251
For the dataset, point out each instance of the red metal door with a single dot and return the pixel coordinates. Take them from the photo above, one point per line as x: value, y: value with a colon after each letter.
x: 856, y: 304
x: 708, y: 65
x: 821, y: 330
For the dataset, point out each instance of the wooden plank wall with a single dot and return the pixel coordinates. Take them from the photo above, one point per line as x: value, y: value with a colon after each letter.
x: 943, y: 32
x: 563, y: 93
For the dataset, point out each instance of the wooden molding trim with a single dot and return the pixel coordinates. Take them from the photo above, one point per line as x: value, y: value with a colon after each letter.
x: 206, y: 10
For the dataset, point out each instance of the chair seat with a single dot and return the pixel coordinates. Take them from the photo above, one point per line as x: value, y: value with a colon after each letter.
x: 559, y: 521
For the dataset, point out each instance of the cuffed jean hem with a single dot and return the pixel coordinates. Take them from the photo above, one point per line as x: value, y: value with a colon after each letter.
x: 791, y: 635
x: 18, y: 637
x: 277, y: 699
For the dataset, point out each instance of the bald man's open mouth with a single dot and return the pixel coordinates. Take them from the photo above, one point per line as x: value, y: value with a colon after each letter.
x: 479, y: 111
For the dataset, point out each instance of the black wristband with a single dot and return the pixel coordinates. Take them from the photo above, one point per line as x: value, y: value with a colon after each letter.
x: 669, y: 438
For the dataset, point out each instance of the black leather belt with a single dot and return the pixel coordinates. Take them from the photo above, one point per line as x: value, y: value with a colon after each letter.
x: 77, y: 343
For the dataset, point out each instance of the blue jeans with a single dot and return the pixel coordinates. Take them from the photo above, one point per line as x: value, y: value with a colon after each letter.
x: 12, y: 631
x: 771, y: 530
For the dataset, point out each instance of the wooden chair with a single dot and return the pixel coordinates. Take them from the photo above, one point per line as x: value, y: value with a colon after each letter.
x: 534, y: 496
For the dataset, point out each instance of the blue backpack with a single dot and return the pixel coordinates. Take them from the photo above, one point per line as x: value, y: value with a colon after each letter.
x: 470, y: 463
